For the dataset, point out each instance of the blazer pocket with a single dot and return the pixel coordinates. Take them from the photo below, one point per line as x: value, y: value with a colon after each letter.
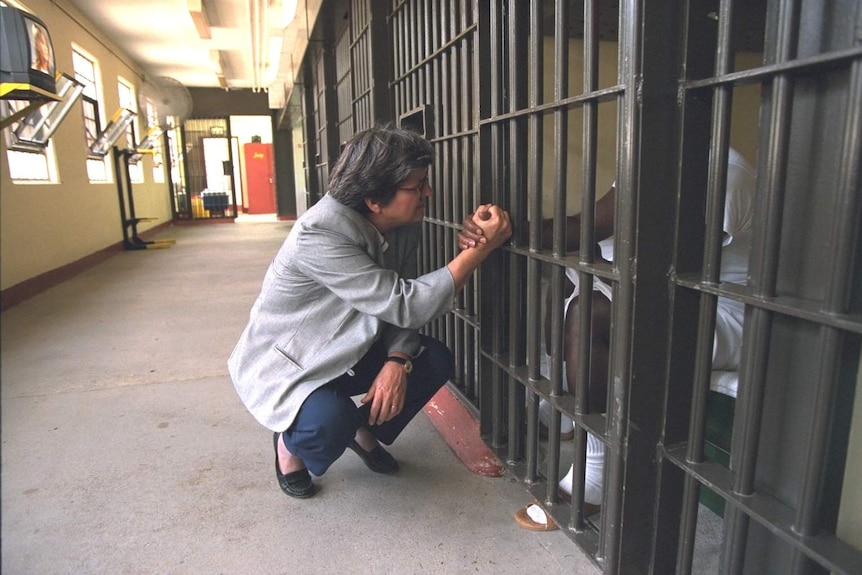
x: 314, y: 338
x: 288, y: 357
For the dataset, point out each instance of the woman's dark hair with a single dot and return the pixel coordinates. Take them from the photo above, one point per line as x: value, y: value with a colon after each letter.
x: 374, y: 163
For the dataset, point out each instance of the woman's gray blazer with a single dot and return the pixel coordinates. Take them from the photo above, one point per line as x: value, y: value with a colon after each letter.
x: 330, y: 292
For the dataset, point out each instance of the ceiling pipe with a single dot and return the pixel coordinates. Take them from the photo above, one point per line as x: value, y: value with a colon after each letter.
x: 257, y: 10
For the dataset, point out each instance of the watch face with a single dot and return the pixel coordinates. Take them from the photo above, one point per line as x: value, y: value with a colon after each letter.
x: 408, y: 365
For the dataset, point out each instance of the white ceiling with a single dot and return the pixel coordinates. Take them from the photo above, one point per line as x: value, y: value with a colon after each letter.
x: 250, y: 43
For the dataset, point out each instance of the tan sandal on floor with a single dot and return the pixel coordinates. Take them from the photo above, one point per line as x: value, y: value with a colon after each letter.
x: 522, y: 517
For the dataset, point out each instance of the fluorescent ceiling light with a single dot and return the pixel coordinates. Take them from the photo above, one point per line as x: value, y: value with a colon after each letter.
x: 199, y: 17
x: 289, y: 7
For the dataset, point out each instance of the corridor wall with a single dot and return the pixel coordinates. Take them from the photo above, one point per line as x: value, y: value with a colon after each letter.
x: 51, y: 226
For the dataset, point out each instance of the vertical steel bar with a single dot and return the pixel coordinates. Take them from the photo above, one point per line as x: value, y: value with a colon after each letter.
x: 441, y: 131
x: 625, y: 265
x: 586, y: 242
x: 480, y: 158
x: 466, y: 124
x: 434, y: 96
x: 515, y: 202
x: 534, y: 266
x: 837, y: 301
x: 406, y: 54
x: 491, y: 298
x: 561, y: 81
x: 762, y: 280
x: 478, y: 74
x: 414, y: 47
x: 464, y: 350
x: 451, y: 156
x: 678, y: 514
x: 716, y: 188
x: 424, y: 20
x: 440, y: 128
x: 396, y: 19
x: 457, y: 344
x: 403, y: 57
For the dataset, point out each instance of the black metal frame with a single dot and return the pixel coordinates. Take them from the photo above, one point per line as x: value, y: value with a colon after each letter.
x: 126, y: 199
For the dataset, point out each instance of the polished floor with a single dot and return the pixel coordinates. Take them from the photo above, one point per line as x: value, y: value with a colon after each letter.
x: 126, y: 450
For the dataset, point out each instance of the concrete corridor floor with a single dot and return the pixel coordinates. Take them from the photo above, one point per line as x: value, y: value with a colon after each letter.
x: 126, y: 450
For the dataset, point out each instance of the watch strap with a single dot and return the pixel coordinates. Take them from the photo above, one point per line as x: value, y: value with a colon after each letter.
x: 408, y: 365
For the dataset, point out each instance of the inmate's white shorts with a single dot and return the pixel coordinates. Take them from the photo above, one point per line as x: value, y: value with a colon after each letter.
x: 727, y: 343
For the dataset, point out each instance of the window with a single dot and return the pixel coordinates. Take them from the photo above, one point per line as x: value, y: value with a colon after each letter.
x: 32, y: 166
x: 26, y: 163
x: 154, y: 127
x: 126, y: 93
x: 86, y: 73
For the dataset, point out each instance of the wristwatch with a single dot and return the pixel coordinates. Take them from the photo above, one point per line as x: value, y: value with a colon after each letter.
x: 408, y: 365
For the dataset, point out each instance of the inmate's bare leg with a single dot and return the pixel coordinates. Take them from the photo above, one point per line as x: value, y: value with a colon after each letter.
x: 599, y: 345
x: 600, y: 337
x: 597, y: 399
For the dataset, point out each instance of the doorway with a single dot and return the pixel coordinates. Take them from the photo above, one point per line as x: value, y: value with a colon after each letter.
x: 217, y: 171
x: 208, y: 167
x: 253, y: 153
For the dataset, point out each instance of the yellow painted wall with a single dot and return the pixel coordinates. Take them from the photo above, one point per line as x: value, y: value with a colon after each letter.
x: 850, y: 516
x: 744, y: 123
x: 46, y: 226
x: 606, y: 166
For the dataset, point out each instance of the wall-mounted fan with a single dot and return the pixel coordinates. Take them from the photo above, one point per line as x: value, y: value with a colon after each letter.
x: 169, y: 99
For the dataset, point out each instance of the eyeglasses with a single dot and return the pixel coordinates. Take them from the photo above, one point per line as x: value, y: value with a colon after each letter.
x: 418, y: 188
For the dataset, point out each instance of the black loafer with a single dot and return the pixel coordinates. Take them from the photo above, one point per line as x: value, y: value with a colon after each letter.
x: 297, y: 483
x: 378, y: 459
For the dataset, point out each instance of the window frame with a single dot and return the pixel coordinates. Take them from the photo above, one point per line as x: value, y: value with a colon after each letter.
x: 98, y: 168
x: 127, y: 99
x: 152, y: 120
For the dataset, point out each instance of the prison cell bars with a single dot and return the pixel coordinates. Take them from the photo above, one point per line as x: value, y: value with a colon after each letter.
x: 485, y: 141
x: 513, y: 363
x: 811, y: 548
x: 433, y: 87
x: 346, y: 77
x: 361, y: 75
x: 369, y: 35
x: 494, y: 127
x: 715, y: 189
